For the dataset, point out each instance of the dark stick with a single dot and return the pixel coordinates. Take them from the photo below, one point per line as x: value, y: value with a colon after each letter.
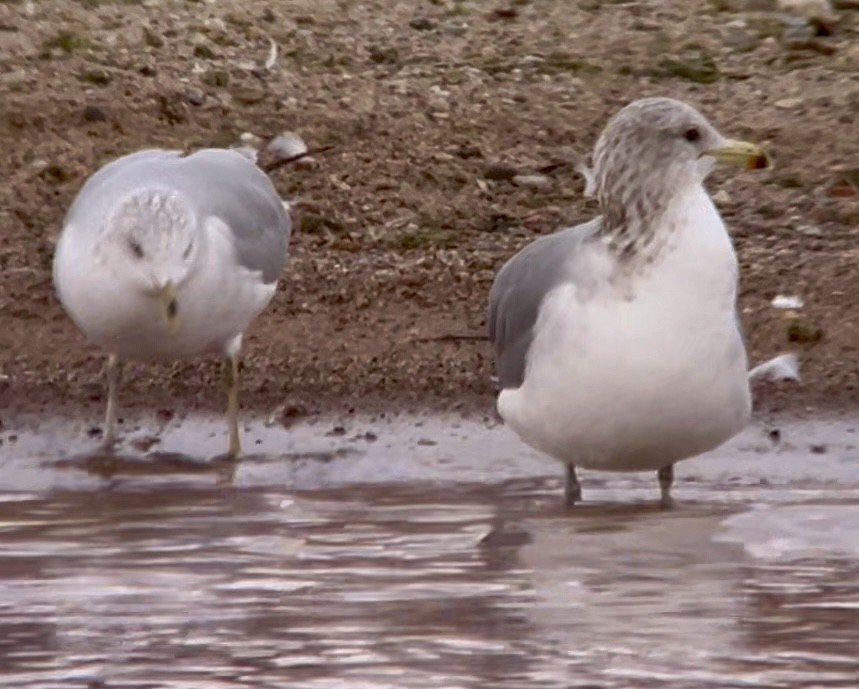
x: 280, y: 162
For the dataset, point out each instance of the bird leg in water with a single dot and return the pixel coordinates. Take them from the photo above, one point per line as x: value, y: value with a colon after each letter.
x: 114, y: 372
x: 666, y: 478
x: 231, y: 382
x: 572, y: 488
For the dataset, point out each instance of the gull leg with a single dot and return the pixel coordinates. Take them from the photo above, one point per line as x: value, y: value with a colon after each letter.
x: 666, y: 478
x: 572, y: 487
x: 231, y: 382
x: 114, y: 372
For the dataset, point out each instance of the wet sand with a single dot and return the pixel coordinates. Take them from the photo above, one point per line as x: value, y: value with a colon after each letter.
x: 422, y: 552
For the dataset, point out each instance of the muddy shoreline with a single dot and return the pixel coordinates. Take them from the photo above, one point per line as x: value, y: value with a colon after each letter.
x: 431, y: 111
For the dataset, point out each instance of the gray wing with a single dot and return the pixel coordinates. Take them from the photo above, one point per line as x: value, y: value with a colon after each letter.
x: 519, y: 290
x: 231, y: 187
x: 218, y: 182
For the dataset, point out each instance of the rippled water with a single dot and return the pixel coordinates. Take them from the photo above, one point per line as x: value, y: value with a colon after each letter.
x: 428, y: 556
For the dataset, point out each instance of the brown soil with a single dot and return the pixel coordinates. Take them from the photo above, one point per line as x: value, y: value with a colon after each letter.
x: 403, y: 223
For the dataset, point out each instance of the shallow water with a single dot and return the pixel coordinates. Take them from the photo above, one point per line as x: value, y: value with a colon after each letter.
x: 416, y: 553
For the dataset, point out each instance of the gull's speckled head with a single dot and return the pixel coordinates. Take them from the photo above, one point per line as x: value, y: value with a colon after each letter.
x: 653, y: 150
x: 149, y: 239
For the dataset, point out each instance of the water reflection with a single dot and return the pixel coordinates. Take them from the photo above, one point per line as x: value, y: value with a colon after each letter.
x: 379, y: 587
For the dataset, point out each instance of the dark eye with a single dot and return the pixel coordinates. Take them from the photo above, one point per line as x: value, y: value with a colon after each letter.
x: 135, y: 248
x: 692, y: 134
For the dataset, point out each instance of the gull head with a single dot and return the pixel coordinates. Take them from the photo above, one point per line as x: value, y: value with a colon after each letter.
x: 655, y: 150
x: 151, y: 241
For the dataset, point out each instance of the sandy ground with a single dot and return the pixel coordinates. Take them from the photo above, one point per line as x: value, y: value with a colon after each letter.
x: 430, y: 108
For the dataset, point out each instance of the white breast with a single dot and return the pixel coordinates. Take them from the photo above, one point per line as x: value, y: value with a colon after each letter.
x: 217, y: 302
x: 636, y: 376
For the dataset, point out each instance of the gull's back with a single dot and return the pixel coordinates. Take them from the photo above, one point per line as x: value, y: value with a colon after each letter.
x: 518, y: 292
x: 218, y: 183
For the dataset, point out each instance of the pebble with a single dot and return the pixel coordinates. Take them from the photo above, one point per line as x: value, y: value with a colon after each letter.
x: 813, y: 9
x: 500, y: 172
x: 722, y: 196
x: 422, y: 24
x: 809, y: 230
x: 251, y: 139
x: 532, y: 181
x: 93, y: 113
x: 196, y: 97
x: 782, y: 301
x: 788, y: 103
x: 286, y: 145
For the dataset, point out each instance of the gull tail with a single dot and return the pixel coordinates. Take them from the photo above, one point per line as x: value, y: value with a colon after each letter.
x: 590, y: 180
x: 782, y: 367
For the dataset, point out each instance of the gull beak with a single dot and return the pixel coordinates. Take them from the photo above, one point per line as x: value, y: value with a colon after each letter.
x: 169, y: 307
x: 743, y: 153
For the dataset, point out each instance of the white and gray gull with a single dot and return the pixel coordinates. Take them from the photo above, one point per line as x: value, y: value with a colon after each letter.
x: 164, y: 256
x: 617, y: 342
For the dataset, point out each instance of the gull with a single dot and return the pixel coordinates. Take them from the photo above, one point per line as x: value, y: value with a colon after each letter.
x: 617, y: 342
x: 164, y: 256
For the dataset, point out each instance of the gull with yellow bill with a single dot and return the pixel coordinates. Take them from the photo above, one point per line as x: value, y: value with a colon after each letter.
x: 165, y: 256
x: 617, y: 342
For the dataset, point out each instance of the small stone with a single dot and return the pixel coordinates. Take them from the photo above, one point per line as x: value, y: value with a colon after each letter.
x: 286, y: 145
x: 216, y: 78
x: 742, y: 41
x: 788, y: 103
x: 311, y: 223
x: 383, y: 55
x: 813, y: 9
x: 504, y: 13
x: 757, y: 5
x: 809, y: 230
x: 55, y: 174
x: 532, y: 181
x: 722, y: 196
x: 203, y: 51
x: 93, y: 113
x: 500, y: 172
x: 692, y: 65
x: 422, y: 24
x: 249, y: 95
x: 96, y: 75
x: 818, y: 449
x: 152, y: 39
x: 426, y: 442
x: 746, y: 5
x: 196, y: 97
x: 802, y: 332
x: 251, y: 139
x: 467, y: 151
x: 148, y: 70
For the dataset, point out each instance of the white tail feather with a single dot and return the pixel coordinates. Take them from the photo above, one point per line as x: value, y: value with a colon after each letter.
x: 782, y: 367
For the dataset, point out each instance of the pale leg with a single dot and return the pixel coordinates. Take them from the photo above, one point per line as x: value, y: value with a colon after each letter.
x: 666, y: 478
x: 572, y: 487
x: 114, y: 372
x: 231, y: 382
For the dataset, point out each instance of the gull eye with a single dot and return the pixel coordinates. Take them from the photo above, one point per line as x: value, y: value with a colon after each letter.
x: 692, y: 134
x: 135, y: 248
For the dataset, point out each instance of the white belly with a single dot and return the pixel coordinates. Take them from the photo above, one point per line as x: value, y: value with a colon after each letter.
x: 216, y: 305
x: 637, y: 381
